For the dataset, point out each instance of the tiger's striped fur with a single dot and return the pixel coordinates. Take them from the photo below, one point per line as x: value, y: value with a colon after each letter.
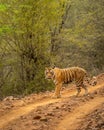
x: 67, y: 75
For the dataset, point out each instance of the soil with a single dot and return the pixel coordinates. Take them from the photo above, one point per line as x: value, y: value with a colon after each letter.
x: 41, y: 112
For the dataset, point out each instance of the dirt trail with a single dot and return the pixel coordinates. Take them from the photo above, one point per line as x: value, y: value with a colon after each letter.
x: 71, y: 121
x: 14, y: 114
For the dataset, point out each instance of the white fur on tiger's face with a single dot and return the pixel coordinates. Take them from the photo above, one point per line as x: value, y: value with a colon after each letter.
x: 49, y: 73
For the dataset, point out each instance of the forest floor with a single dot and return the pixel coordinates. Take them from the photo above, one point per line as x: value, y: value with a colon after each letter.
x: 41, y: 112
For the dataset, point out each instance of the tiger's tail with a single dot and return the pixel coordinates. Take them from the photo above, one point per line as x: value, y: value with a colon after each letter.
x: 90, y: 81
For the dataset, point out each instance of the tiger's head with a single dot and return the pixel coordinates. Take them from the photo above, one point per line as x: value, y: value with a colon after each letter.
x: 49, y: 73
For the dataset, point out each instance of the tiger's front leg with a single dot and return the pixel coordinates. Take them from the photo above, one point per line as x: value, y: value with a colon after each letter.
x: 57, y: 90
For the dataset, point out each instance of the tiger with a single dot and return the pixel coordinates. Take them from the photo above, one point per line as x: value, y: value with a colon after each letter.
x: 65, y: 76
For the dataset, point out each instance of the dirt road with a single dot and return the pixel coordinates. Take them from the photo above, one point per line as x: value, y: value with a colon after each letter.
x: 71, y: 121
x: 65, y: 113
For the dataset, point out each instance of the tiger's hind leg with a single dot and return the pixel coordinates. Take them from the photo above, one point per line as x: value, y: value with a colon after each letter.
x: 78, y: 91
x: 85, y: 88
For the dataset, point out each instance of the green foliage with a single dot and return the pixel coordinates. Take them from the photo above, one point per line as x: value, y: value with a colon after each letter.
x: 35, y: 33
x: 2, y: 7
x: 81, y: 41
x: 25, y: 44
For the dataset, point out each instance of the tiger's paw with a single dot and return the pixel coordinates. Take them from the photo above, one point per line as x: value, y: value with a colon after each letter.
x: 76, y: 95
x: 86, y: 94
x: 56, y: 96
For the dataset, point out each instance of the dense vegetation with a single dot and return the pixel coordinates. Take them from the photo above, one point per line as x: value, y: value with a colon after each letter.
x: 37, y: 33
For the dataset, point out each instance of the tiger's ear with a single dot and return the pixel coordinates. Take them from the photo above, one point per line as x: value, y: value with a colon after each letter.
x: 46, y: 68
x: 53, y: 66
